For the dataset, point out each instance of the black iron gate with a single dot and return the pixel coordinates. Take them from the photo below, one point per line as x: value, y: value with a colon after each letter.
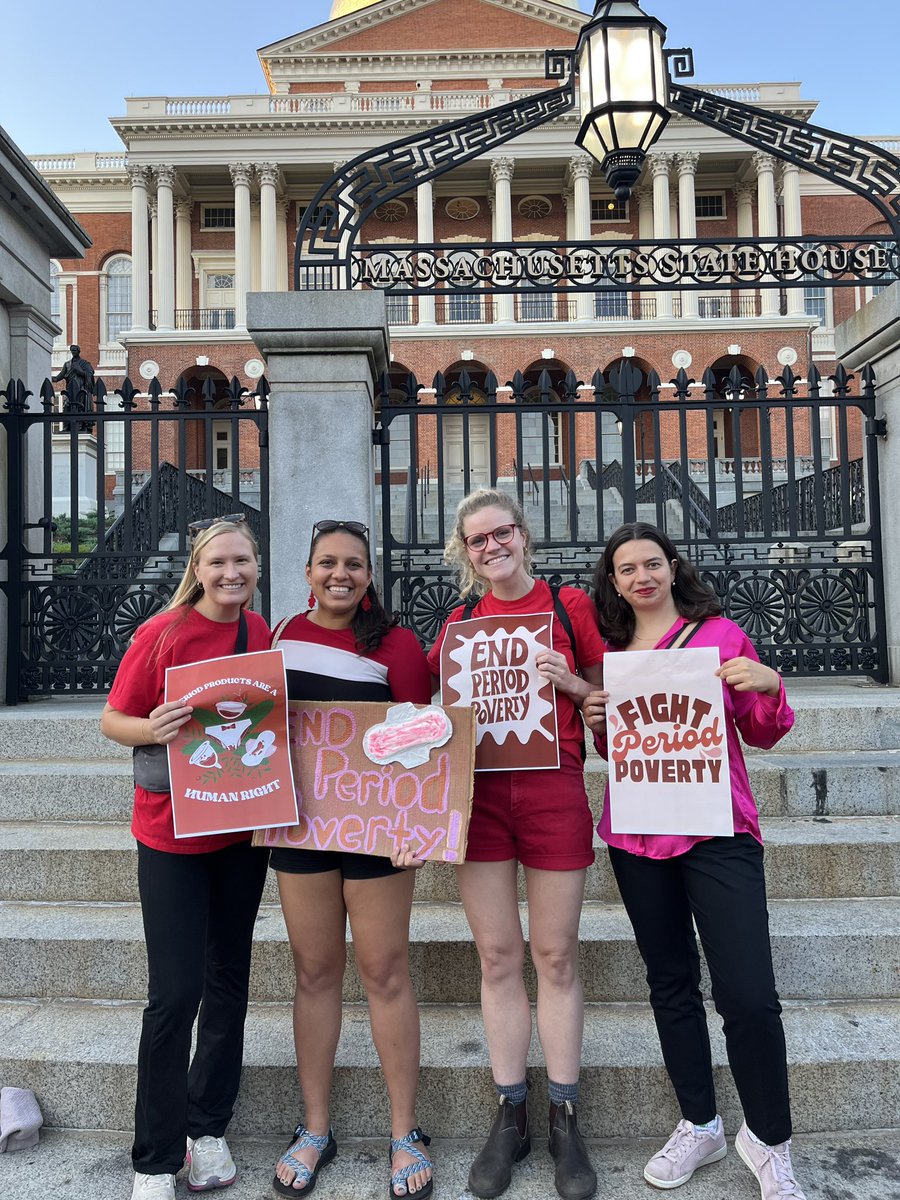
x: 769, y: 485
x: 100, y: 489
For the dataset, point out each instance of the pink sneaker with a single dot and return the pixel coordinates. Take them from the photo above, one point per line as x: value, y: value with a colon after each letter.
x: 771, y: 1165
x: 686, y: 1150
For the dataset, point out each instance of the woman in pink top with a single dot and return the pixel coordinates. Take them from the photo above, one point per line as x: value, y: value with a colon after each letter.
x: 648, y: 598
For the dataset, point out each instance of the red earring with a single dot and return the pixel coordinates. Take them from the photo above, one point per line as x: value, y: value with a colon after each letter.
x: 311, y: 603
x: 366, y: 603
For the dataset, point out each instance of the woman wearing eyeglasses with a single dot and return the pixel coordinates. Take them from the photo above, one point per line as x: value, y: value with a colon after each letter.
x: 346, y: 647
x: 199, y: 895
x: 542, y: 820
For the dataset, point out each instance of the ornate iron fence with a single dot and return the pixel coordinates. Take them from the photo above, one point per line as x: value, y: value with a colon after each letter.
x: 129, y: 471
x: 769, y: 485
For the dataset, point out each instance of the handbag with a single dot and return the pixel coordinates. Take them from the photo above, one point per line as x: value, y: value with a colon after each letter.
x: 150, y: 764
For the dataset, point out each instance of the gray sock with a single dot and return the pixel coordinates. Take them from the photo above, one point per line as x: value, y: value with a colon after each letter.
x: 514, y: 1092
x: 561, y: 1092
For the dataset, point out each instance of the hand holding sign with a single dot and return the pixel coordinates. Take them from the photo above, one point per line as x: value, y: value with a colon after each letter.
x: 749, y: 675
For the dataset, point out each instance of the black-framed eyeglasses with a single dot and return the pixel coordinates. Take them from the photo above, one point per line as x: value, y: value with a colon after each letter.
x: 501, y: 535
x: 356, y: 527
x: 195, y: 527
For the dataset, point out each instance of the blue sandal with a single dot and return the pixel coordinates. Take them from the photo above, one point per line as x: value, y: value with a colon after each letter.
x: 422, y: 1163
x: 327, y: 1148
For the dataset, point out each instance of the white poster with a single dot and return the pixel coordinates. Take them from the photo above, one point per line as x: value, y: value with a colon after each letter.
x: 668, y: 752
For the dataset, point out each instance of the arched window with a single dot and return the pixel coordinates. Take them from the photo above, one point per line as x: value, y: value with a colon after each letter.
x: 117, y: 273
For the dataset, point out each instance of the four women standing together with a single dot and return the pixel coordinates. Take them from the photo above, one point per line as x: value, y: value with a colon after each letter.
x: 346, y: 647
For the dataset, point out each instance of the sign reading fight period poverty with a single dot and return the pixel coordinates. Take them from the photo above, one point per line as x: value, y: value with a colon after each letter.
x: 372, y: 776
x: 668, y: 751
x: 229, y: 765
x: 489, y: 664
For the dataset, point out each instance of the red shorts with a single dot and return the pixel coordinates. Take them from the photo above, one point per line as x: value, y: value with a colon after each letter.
x: 542, y: 818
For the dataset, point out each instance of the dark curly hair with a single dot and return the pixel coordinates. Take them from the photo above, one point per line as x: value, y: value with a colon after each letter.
x: 615, y: 616
x: 370, y: 626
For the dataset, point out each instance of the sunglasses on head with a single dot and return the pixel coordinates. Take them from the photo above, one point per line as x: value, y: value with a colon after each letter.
x: 195, y: 527
x: 356, y: 527
x: 501, y: 535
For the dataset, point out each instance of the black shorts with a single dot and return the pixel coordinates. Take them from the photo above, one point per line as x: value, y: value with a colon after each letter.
x: 314, y: 862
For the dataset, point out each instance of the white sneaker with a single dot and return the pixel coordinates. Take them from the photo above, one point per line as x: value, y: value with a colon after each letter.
x: 687, y: 1149
x: 771, y: 1165
x: 211, y: 1164
x: 153, y: 1187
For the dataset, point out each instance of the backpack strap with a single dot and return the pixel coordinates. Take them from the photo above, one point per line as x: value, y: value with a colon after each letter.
x: 558, y: 607
x: 240, y: 643
x: 682, y: 636
x: 279, y: 629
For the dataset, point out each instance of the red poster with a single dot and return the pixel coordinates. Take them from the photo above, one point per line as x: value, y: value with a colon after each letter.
x: 230, y: 764
x: 489, y: 664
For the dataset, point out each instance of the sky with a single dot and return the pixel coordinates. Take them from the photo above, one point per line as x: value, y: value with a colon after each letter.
x: 845, y: 56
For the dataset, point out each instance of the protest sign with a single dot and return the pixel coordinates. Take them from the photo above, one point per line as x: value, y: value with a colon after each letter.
x: 229, y: 765
x: 371, y: 776
x: 489, y: 664
x: 668, y: 751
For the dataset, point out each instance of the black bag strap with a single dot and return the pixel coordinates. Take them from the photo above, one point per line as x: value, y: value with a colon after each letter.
x: 687, y: 631
x: 558, y: 607
x: 240, y: 645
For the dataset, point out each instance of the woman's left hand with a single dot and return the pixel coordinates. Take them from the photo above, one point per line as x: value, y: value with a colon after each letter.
x: 748, y: 675
x: 405, y: 859
x: 554, y: 667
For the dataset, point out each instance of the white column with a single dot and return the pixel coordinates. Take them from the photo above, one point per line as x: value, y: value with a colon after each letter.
x: 579, y: 173
x: 501, y: 176
x: 425, y: 234
x: 140, y: 250
x: 255, y: 266
x: 645, y: 300
x: 793, y: 227
x: 662, y: 228
x: 768, y: 219
x: 240, y: 177
x: 183, y: 265
x: 282, y: 208
x: 268, y: 275
x: 164, y: 272
x: 743, y: 195
x: 687, y: 218
x: 154, y: 256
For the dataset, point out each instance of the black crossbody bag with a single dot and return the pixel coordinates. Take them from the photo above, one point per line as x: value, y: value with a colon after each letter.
x: 151, y: 763
x: 683, y: 635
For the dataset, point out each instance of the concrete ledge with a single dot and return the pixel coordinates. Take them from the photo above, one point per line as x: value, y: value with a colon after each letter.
x: 320, y: 323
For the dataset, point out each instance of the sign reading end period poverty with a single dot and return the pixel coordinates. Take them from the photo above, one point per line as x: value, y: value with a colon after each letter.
x: 373, y: 776
x: 668, y: 752
x: 230, y: 765
x: 489, y: 664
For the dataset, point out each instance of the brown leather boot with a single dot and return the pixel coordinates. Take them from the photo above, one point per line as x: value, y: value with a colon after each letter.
x: 575, y: 1178
x: 508, y: 1142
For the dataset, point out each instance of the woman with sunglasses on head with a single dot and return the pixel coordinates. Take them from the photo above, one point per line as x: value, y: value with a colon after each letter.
x: 199, y: 895
x: 650, y: 598
x: 346, y: 647
x: 542, y: 820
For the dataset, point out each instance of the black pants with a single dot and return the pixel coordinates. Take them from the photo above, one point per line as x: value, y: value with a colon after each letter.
x: 720, y: 884
x: 199, y: 911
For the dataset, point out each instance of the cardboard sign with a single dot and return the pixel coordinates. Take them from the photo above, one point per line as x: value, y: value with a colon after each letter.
x: 230, y: 765
x: 489, y: 664
x: 668, y: 750
x: 371, y: 776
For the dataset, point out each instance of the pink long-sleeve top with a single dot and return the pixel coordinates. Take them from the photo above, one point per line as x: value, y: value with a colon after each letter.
x: 762, y: 721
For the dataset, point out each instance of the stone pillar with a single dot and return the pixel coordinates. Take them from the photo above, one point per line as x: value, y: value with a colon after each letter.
x: 768, y: 219
x: 743, y: 196
x: 183, y: 264
x: 164, y: 265
x: 793, y: 227
x: 240, y: 177
x: 282, y: 208
x: 425, y: 235
x: 154, y: 257
x: 579, y: 175
x: 872, y: 335
x: 324, y: 352
x: 687, y: 218
x: 255, y: 253
x: 501, y: 177
x: 659, y: 167
x: 140, y: 249
x: 268, y: 274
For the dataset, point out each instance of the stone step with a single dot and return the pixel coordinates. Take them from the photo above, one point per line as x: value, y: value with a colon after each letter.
x: 79, y: 1057
x: 803, y: 784
x: 852, y: 1165
x: 805, y: 859
x: 823, y: 950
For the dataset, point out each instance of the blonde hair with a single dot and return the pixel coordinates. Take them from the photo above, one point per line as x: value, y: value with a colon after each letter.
x: 455, y: 552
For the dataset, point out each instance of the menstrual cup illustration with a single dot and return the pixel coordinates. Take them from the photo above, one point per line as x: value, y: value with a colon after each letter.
x: 230, y: 710
x: 205, y: 756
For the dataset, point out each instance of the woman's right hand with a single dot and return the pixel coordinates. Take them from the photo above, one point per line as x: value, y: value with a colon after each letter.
x: 594, y: 710
x: 167, y: 719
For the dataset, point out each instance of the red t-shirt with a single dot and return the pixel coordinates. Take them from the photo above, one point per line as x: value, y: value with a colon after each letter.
x: 588, y: 645
x: 139, y: 687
